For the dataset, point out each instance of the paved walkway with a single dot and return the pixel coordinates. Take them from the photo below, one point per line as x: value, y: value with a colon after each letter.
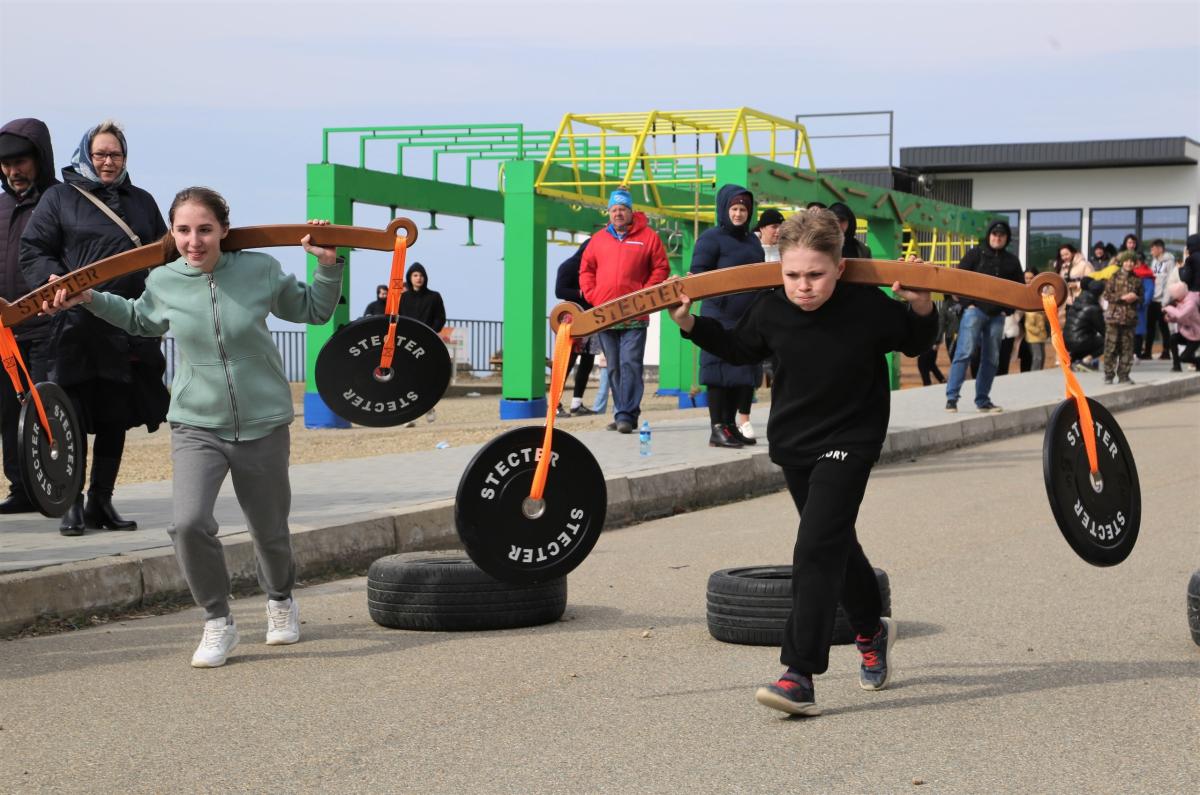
x: 404, y: 501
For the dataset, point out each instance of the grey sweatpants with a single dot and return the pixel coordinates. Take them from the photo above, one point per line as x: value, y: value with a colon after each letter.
x: 260, y: 481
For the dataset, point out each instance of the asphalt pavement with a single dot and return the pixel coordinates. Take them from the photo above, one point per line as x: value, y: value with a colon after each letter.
x: 1019, y: 667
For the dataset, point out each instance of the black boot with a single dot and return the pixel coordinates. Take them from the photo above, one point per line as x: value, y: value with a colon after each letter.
x: 100, y: 512
x: 18, y: 502
x: 72, y: 521
x: 736, y: 433
x: 721, y: 437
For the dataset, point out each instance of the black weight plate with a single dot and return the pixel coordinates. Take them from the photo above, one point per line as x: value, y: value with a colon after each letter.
x: 348, y: 382
x: 53, y: 474
x: 1100, y: 525
x: 489, y: 507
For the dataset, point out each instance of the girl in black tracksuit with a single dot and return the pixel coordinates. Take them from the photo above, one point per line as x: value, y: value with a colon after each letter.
x: 830, y: 403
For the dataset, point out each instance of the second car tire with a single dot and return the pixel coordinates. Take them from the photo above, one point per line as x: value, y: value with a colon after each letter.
x: 452, y: 593
x: 750, y: 604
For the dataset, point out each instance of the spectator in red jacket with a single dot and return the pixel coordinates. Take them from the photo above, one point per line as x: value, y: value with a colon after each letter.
x: 622, y: 258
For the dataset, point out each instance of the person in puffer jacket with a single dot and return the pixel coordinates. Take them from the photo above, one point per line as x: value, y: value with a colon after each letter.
x: 1184, y: 310
x: 1083, y: 330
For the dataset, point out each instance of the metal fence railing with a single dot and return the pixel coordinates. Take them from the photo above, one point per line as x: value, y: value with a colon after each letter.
x: 289, y: 343
x: 473, y: 345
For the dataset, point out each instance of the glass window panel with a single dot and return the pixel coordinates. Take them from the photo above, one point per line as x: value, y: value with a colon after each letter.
x: 1173, y: 238
x: 1115, y: 218
x: 1164, y: 216
x: 1045, y: 243
x: 1054, y: 218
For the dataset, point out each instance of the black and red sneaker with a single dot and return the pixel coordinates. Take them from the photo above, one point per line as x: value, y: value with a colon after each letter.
x: 794, y: 696
x: 875, y: 651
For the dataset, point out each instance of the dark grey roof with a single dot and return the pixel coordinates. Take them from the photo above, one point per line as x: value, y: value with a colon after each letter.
x: 1054, y: 155
x: 881, y: 177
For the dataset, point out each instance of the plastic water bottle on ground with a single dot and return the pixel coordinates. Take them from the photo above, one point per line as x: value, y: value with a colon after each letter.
x: 644, y: 438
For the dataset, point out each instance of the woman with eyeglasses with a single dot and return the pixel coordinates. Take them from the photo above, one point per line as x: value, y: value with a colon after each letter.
x: 115, y: 380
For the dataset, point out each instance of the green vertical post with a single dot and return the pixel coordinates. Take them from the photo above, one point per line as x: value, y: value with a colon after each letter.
x: 524, y: 367
x: 325, y: 200
x: 675, y: 354
x: 884, y: 238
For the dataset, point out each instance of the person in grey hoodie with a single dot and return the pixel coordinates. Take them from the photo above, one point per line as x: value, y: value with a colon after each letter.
x: 26, y: 172
x: 230, y: 401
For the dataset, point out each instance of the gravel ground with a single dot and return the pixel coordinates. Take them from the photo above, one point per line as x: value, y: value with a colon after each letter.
x: 459, y: 421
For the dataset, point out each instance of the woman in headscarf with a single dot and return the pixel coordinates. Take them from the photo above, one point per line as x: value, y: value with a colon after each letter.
x: 114, y: 380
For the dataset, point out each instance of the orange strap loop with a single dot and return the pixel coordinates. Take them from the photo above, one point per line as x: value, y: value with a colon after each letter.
x: 558, y: 375
x: 11, y: 354
x: 1074, y: 390
x: 395, y: 290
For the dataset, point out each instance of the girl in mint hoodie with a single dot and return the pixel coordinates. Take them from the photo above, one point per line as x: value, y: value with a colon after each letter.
x: 230, y: 402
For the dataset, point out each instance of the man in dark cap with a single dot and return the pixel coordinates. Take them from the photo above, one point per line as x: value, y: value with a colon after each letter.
x: 982, y: 324
x: 767, y: 230
x: 26, y: 171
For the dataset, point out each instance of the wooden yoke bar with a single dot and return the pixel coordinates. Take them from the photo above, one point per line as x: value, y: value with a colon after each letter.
x: 154, y: 254
x: 911, y: 275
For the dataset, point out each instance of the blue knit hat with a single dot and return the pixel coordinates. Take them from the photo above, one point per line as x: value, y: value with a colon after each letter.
x: 620, y: 196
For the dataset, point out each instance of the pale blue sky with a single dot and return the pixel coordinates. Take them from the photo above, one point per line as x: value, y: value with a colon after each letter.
x: 234, y: 95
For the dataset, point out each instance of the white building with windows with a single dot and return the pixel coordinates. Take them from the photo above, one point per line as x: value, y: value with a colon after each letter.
x: 1080, y: 192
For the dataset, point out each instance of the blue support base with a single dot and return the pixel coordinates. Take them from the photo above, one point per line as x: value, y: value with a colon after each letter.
x: 697, y: 401
x: 522, y: 409
x: 667, y: 392
x: 318, y: 415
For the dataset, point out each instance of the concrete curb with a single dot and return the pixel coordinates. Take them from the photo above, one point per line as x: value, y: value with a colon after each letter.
x: 141, y: 579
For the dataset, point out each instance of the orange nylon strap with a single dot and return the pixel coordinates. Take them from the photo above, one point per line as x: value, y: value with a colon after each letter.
x: 395, y: 289
x: 558, y: 375
x: 12, y: 359
x: 1074, y: 390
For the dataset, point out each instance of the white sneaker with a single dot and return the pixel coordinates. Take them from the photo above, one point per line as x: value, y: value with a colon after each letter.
x: 746, y: 429
x: 283, y: 622
x: 219, y: 639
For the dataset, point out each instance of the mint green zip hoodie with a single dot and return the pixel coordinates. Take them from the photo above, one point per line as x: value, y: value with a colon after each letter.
x: 229, y: 379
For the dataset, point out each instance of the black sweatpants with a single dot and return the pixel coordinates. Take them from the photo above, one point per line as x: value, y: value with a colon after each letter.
x: 828, y: 564
x: 1156, y: 321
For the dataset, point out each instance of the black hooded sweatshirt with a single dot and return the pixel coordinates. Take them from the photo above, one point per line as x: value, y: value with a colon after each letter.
x: 566, y: 282
x: 992, y: 262
x: 379, y: 305
x: 852, y: 247
x: 15, y: 211
x: 424, y: 305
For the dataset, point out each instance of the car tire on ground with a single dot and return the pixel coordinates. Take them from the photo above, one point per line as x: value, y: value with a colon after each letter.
x: 750, y: 604
x: 1193, y: 606
x: 452, y: 593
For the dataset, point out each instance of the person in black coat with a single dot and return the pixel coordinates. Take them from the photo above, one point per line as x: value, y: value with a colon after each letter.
x: 419, y: 302
x: 1083, y: 331
x: 379, y: 305
x: 26, y: 173
x: 982, y: 324
x: 115, y: 380
x: 584, y: 350
x: 1189, y: 272
x: 852, y: 247
x: 731, y: 242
